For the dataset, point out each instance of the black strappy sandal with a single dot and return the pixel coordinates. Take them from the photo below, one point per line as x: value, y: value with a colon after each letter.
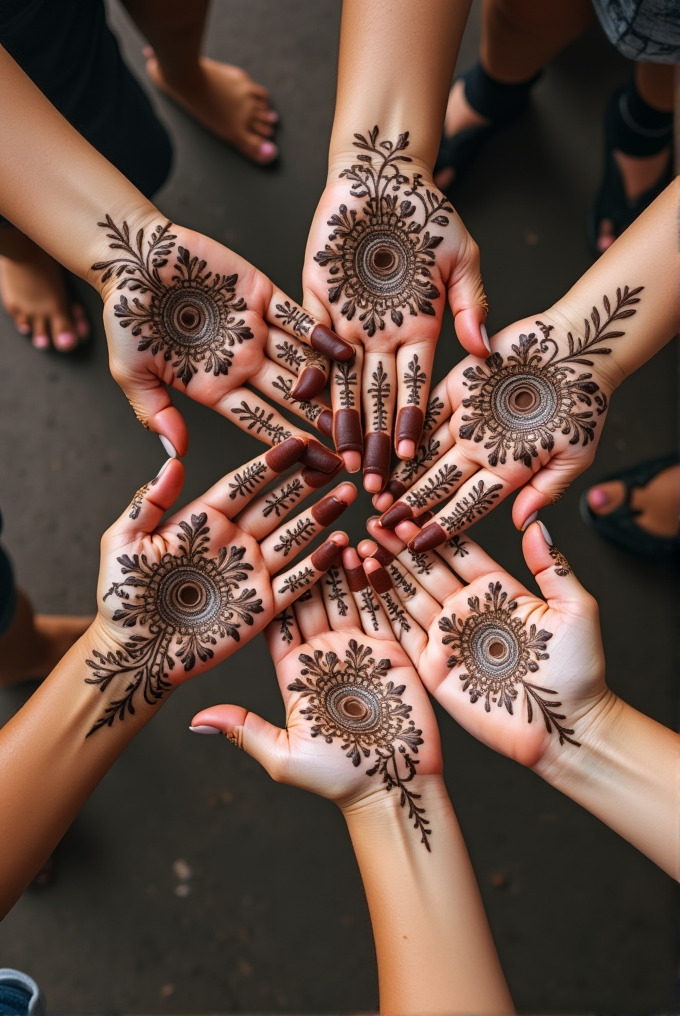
x: 499, y: 102
x: 611, y: 201
x: 620, y: 527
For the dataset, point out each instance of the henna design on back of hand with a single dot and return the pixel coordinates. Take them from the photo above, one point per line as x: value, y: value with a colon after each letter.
x: 191, y: 319
x: 349, y: 701
x: 520, y: 402
x: 498, y: 651
x: 380, y: 257
x: 187, y: 598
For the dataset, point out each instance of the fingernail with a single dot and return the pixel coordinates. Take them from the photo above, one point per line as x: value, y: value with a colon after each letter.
x: 597, y: 498
x: 326, y: 554
x: 383, y: 555
x: 396, y: 488
x: 410, y: 425
x: 527, y: 522
x: 267, y: 150
x: 406, y: 450
x: 429, y: 538
x: 317, y: 456
x: 40, y: 341
x: 380, y: 580
x: 485, y: 337
x: 356, y: 578
x: 325, y: 423
x: 347, y: 426
x: 311, y: 382
x: 352, y: 461
x: 161, y: 471
x: 327, y: 342
x: 328, y: 510
x: 399, y: 512
x: 546, y: 535
x: 169, y: 446
x: 65, y: 340
x: 203, y: 728
x: 377, y: 449
x: 315, y: 478
x: 282, y: 456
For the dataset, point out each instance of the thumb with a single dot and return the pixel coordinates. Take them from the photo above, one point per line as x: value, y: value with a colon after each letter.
x: 312, y: 303
x: 468, y: 302
x: 543, y: 489
x: 151, y: 404
x: 554, y: 577
x: 266, y: 743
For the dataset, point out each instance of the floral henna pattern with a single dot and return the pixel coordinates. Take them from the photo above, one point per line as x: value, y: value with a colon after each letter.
x: 498, y: 651
x: 381, y: 256
x: 350, y: 701
x: 472, y: 506
x: 187, y: 598
x: 520, y: 402
x: 562, y: 566
x: 191, y: 319
x: 437, y: 487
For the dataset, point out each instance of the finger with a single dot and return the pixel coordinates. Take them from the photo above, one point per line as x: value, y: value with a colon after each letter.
x: 414, y: 370
x: 311, y: 368
x: 265, y: 742
x: 310, y: 614
x: 469, y: 561
x: 427, y: 569
x: 286, y: 541
x: 550, y: 568
x: 544, y: 488
x: 340, y: 606
x: 422, y: 607
x: 378, y: 398
x: 235, y: 490
x: 405, y: 629
x: 287, y: 586
x: 294, y: 320
x: 263, y: 514
x: 371, y: 614
x: 151, y: 501
x: 430, y: 450
x: 279, y: 384
x: 151, y: 404
x: 482, y: 493
x: 345, y: 397
x: 282, y: 634
x: 437, y: 484
x: 468, y: 303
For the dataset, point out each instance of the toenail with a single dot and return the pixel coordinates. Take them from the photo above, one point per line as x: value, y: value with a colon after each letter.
x: 267, y: 150
x: 597, y: 498
x: 65, y: 340
x: 41, y: 341
x: 24, y: 329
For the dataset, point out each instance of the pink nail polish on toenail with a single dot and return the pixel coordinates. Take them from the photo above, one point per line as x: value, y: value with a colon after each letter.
x: 597, y: 498
x: 267, y: 150
x: 65, y: 340
x: 41, y: 341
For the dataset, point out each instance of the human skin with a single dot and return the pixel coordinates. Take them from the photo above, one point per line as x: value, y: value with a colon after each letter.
x: 552, y: 711
x: 79, y: 208
x: 395, y: 66
x: 433, y: 944
x: 476, y: 442
x: 174, y: 599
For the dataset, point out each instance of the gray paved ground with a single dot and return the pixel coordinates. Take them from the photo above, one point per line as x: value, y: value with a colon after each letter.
x: 274, y: 920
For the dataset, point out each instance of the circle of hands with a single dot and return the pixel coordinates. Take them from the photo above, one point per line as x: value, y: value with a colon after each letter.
x: 427, y: 610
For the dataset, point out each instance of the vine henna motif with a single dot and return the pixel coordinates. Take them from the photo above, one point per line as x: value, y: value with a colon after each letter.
x: 497, y: 652
x: 380, y: 257
x: 192, y: 319
x: 351, y: 702
x: 520, y: 402
x: 187, y: 599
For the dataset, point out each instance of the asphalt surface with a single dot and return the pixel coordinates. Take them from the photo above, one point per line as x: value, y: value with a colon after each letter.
x: 265, y: 912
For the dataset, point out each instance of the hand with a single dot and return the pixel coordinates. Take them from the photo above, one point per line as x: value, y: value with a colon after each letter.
x: 531, y: 416
x: 358, y: 720
x: 175, y: 599
x: 385, y: 252
x: 523, y: 675
x: 185, y: 312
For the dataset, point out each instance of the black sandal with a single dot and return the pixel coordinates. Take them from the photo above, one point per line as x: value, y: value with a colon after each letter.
x: 620, y: 527
x: 500, y: 103
x: 611, y: 201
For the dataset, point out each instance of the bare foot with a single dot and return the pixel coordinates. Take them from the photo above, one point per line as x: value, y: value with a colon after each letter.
x: 638, y: 175
x: 657, y: 502
x: 34, y: 643
x: 224, y: 99
x: 33, y: 293
x: 459, y: 115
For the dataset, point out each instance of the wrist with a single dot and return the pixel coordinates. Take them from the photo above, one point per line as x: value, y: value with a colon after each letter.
x: 141, y: 219
x: 381, y: 815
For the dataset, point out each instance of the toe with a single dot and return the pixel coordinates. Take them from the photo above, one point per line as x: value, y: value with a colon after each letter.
x: 263, y: 151
x: 606, y: 497
x: 261, y: 127
x: 63, y: 333
x: 23, y: 323
x: 41, y: 339
x: 82, y: 325
x: 606, y: 236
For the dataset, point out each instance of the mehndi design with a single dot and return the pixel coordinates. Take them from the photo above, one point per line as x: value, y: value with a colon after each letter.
x: 350, y: 702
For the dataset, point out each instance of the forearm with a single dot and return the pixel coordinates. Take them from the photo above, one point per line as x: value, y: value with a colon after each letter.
x: 55, y: 186
x: 646, y: 255
x: 395, y: 67
x: 626, y: 774
x: 433, y: 943
x: 49, y: 766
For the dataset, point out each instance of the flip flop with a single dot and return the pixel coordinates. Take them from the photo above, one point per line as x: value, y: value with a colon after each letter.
x: 620, y: 527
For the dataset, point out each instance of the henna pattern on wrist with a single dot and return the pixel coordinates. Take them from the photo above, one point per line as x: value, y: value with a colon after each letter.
x: 186, y: 598
x: 562, y: 566
x: 337, y: 594
x: 381, y: 256
x: 191, y: 318
x: 497, y: 651
x: 350, y: 701
x: 522, y: 401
